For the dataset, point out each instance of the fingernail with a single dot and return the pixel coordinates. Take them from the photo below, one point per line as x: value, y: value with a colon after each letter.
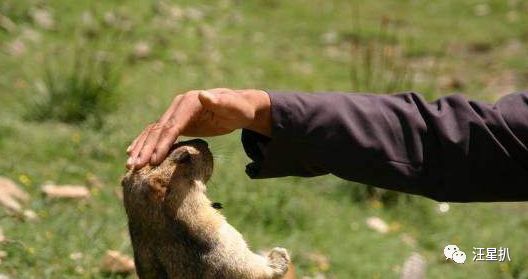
x: 130, y: 161
x: 129, y: 148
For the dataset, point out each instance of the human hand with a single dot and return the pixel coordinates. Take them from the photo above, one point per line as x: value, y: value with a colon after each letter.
x: 201, y: 114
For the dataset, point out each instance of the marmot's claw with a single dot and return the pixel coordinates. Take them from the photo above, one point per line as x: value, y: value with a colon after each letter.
x: 279, y: 260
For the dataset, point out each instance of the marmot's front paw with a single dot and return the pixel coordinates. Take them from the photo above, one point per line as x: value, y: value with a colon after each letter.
x: 278, y: 261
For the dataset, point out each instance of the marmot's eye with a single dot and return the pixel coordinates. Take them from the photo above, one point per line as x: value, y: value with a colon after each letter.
x: 183, y: 157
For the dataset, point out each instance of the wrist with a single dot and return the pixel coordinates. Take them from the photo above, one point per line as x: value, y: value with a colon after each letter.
x: 261, y: 103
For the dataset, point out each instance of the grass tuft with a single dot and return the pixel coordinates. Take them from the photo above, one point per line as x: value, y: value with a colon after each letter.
x: 377, y: 61
x: 86, y: 91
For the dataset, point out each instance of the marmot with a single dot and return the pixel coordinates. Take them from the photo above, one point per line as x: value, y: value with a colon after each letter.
x: 176, y: 232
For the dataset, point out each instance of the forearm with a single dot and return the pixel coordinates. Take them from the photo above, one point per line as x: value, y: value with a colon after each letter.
x: 451, y: 149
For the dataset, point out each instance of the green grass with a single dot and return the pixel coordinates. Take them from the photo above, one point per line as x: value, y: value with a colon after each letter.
x: 85, y: 91
x: 262, y: 44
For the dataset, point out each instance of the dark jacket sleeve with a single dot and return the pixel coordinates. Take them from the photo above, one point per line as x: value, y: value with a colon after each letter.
x: 452, y: 149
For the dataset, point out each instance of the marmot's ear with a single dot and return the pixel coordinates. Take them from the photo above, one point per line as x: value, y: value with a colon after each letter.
x: 157, y: 189
x: 127, y: 179
x: 183, y: 157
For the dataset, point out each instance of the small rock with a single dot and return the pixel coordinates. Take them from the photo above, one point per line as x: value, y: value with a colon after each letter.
x: 377, y: 224
x: 178, y: 57
x: 315, y: 276
x: 66, y: 191
x: 87, y: 18
x: 193, y: 13
x: 142, y: 50
x: 31, y: 35
x: 330, y: 38
x: 43, y: 18
x: 115, y: 262
x: 482, y: 9
x: 3, y: 276
x: 30, y: 215
x: 7, y: 24
x: 451, y: 83
x: 173, y: 12
x: 117, y: 21
x: 79, y: 270
x: 110, y: 18
x: 414, y: 267
x: 90, y: 24
x: 76, y: 256
x: 11, y: 195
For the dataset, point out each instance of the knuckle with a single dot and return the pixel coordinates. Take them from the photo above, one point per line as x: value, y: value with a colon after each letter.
x: 220, y: 90
x: 150, y: 126
x: 156, y: 126
x: 178, y: 97
x: 191, y: 93
x: 168, y: 125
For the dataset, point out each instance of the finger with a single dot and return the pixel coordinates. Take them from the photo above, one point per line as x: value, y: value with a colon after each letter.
x: 131, y: 146
x: 165, y: 142
x: 134, y: 143
x: 137, y: 147
x: 149, y: 144
x: 166, y: 139
x: 181, y: 118
x: 141, y: 140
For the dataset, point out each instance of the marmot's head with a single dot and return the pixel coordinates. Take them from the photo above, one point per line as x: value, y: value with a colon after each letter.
x: 188, y: 162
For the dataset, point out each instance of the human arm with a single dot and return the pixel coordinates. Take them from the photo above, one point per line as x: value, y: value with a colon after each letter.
x: 201, y: 113
x: 452, y: 149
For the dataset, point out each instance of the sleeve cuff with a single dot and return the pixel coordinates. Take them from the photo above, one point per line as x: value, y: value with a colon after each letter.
x: 283, y: 154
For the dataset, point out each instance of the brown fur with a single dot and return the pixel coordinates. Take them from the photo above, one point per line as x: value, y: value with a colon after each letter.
x: 175, y: 231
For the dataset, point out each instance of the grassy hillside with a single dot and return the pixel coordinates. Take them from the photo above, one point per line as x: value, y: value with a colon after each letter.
x: 155, y: 50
